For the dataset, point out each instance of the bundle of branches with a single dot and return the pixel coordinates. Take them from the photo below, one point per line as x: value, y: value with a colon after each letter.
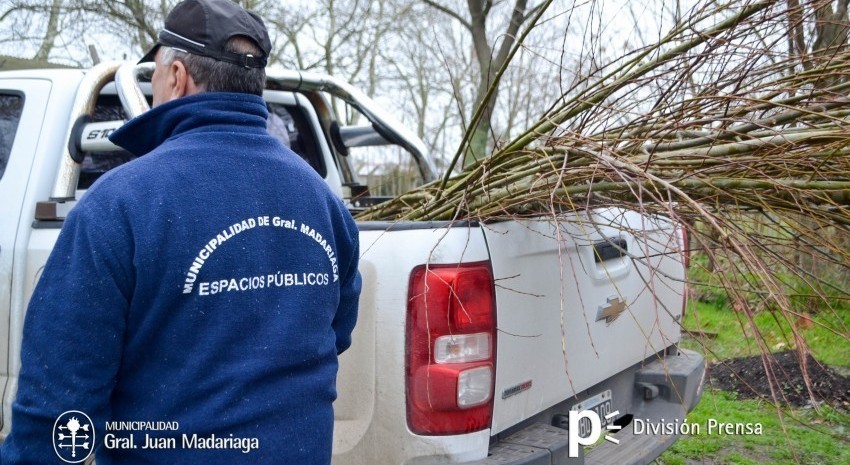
x: 751, y: 134
x: 726, y: 125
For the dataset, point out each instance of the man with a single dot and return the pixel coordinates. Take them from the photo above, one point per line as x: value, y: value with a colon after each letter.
x: 197, y: 297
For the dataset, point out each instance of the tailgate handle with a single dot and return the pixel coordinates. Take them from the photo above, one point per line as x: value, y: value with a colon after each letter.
x: 609, y: 249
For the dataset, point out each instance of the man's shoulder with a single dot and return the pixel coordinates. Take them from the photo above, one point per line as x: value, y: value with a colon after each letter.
x: 123, y: 183
x: 117, y: 179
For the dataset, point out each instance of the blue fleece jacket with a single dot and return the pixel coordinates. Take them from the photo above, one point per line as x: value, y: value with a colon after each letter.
x: 208, y: 285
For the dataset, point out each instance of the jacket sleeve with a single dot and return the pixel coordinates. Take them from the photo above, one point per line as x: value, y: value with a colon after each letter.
x: 349, y: 294
x: 73, y: 335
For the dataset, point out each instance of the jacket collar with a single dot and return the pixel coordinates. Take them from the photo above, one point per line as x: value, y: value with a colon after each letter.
x: 208, y: 111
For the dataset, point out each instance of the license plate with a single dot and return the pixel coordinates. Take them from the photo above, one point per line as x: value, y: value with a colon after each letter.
x: 601, y: 404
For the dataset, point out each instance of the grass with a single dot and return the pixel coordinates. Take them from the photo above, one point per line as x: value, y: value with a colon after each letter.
x: 800, y: 436
x: 825, y: 328
x: 794, y: 436
x: 827, y: 346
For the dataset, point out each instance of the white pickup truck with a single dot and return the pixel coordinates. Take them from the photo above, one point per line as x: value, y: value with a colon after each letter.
x: 475, y: 340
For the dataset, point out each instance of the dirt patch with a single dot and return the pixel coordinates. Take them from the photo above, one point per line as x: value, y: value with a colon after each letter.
x: 747, y: 377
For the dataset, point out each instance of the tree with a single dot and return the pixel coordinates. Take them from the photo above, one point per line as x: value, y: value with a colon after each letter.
x: 427, y: 69
x: 827, y: 34
x: 337, y: 37
x: 51, y: 32
x: 491, y: 55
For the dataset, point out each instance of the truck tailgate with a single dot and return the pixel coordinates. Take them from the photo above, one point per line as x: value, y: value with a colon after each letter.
x: 370, y: 417
x: 579, y: 300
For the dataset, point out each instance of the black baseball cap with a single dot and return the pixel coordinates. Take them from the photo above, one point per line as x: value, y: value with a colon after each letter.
x: 202, y: 27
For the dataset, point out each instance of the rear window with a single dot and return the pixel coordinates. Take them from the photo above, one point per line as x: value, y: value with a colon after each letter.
x: 287, y: 123
x: 11, y: 107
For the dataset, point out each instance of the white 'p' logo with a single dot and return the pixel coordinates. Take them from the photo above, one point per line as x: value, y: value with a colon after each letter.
x: 575, y: 438
x: 574, y: 433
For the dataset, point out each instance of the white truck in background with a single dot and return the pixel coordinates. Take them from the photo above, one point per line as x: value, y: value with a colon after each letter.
x: 475, y: 340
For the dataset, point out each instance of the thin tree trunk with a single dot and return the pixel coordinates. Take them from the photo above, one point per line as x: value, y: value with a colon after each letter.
x: 488, y: 65
x: 51, y: 33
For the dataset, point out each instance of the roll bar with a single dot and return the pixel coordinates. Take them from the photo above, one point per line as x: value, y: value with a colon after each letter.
x: 383, y: 122
x: 81, y: 113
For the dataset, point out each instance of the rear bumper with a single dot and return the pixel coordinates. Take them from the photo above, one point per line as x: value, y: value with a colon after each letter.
x: 664, y: 389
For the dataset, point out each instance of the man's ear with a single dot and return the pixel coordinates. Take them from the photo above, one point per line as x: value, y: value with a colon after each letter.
x: 180, y: 83
x: 177, y: 80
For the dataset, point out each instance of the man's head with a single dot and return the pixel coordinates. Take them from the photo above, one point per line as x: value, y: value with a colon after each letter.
x: 209, y: 46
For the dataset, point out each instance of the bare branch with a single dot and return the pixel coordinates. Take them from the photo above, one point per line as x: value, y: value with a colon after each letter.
x: 450, y: 12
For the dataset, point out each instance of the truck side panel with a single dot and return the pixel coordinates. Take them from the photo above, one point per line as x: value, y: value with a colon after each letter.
x: 14, y: 208
x: 562, y: 325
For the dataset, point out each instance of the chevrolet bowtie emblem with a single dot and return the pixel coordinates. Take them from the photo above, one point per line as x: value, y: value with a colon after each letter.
x: 611, y: 311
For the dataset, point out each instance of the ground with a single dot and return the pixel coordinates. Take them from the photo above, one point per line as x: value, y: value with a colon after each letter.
x: 795, y: 430
x: 747, y: 377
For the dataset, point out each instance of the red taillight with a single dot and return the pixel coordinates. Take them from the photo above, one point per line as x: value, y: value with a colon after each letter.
x: 451, y: 343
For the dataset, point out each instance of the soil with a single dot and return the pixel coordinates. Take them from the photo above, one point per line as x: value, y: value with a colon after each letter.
x: 746, y: 376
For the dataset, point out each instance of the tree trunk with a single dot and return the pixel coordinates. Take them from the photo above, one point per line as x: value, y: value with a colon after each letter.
x: 483, y: 136
x: 830, y: 36
x: 51, y: 33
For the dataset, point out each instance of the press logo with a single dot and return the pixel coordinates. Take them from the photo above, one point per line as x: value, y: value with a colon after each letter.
x: 73, y: 436
x: 593, y: 430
